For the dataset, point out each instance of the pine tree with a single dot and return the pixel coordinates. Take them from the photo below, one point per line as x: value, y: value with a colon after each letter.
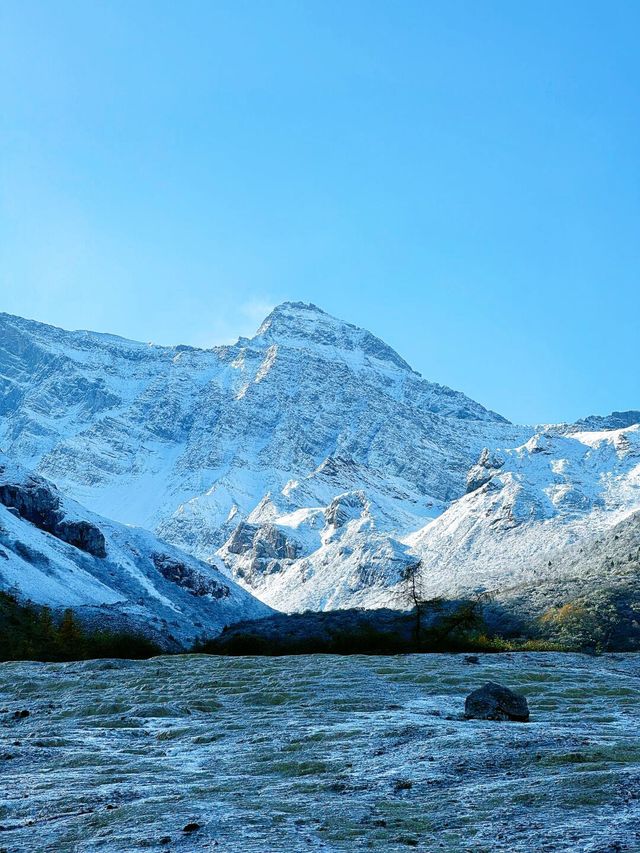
x: 70, y: 635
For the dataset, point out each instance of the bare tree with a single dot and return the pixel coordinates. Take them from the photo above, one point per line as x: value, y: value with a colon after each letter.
x: 412, y: 595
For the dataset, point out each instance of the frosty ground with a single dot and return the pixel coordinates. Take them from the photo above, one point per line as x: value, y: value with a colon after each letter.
x: 319, y: 753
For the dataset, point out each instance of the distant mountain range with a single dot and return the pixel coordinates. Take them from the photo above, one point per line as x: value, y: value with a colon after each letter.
x: 313, y: 465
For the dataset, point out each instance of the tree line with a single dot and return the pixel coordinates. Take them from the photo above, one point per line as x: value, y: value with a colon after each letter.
x: 28, y: 632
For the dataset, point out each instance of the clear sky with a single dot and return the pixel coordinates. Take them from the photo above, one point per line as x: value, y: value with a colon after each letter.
x: 461, y: 178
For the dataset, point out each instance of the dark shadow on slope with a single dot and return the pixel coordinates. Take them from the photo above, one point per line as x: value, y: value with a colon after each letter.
x: 438, y: 626
x: 608, y: 622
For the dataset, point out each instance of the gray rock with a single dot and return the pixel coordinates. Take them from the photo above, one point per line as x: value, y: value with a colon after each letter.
x: 83, y: 535
x: 494, y: 702
x: 38, y: 503
x: 344, y: 508
x: 187, y: 577
x: 485, y: 468
x: 264, y: 541
x: 616, y: 420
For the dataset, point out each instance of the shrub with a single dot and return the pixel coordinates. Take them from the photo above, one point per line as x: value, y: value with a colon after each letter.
x: 28, y: 632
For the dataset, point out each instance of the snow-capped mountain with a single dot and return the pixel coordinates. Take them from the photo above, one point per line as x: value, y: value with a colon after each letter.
x: 310, y: 458
x: 193, y: 443
x: 54, y: 552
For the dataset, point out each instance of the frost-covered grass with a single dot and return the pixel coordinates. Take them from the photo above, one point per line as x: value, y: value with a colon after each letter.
x: 319, y: 753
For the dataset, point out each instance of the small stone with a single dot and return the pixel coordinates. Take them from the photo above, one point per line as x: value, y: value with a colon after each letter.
x: 191, y: 827
x: 409, y: 840
x: 494, y: 702
x: 471, y: 659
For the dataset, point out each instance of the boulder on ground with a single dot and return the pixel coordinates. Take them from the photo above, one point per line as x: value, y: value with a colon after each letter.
x: 494, y: 702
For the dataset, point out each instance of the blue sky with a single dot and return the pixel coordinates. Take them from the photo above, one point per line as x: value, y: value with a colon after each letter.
x: 462, y: 178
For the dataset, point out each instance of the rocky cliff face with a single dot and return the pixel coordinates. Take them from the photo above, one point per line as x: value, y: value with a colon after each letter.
x: 32, y: 499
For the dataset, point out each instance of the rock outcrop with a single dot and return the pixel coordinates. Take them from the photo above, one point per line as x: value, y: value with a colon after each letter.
x: 36, y: 502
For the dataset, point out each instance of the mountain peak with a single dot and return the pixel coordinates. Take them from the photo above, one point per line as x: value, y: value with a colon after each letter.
x: 304, y: 325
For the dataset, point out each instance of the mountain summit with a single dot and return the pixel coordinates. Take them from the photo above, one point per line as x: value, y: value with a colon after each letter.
x: 306, y: 325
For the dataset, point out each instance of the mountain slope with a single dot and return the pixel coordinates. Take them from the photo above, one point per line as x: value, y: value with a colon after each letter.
x: 532, y: 515
x: 54, y: 552
x: 595, y: 599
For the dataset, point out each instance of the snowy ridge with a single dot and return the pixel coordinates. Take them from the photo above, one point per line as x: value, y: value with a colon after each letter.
x: 54, y: 552
x: 526, y: 507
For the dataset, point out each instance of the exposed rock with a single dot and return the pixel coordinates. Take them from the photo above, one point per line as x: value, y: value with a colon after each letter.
x: 241, y: 540
x: 179, y: 573
x: 22, y: 714
x: 265, y: 541
x: 616, y: 420
x: 32, y: 501
x: 84, y: 535
x: 495, y: 702
x: 38, y: 503
x: 37, y: 558
x: 272, y: 543
x: 266, y: 549
x: 485, y: 468
x: 345, y: 507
